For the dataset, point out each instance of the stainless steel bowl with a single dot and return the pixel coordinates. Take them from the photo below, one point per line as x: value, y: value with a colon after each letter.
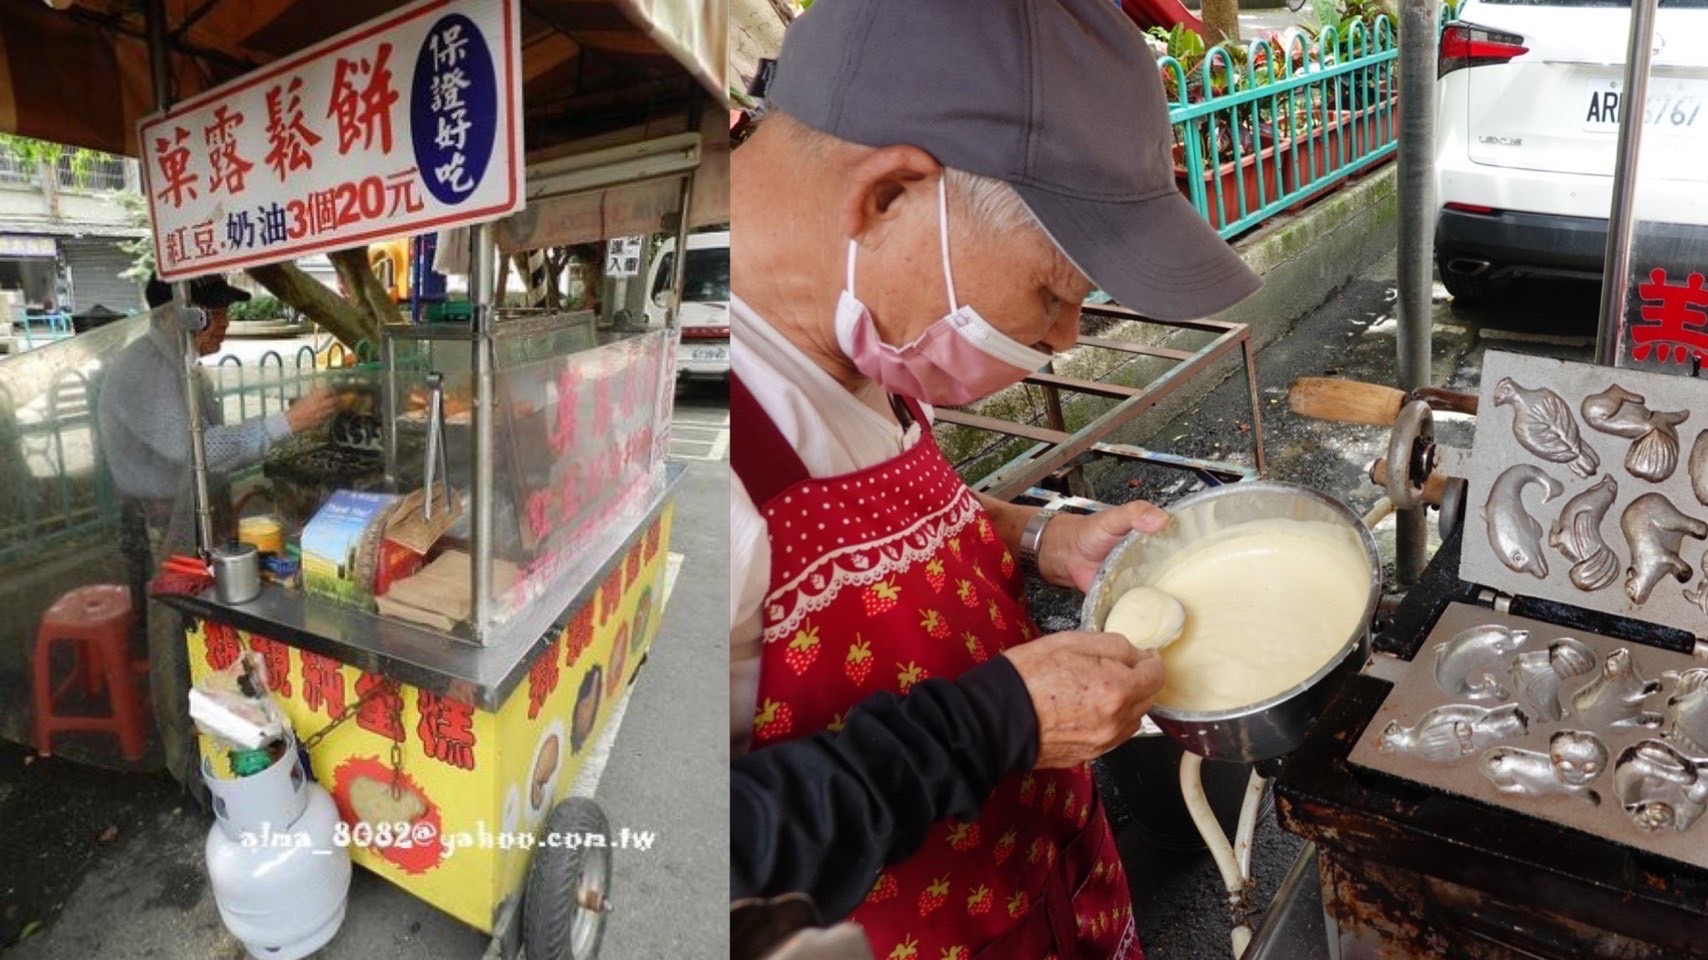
x: 1268, y: 728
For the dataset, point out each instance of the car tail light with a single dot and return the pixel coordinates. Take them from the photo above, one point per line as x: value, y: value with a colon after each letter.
x: 705, y: 333
x: 1468, y: 45
x: 1471, y: 208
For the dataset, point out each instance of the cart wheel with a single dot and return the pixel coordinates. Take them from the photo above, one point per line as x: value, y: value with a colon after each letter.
x: 569, y: 888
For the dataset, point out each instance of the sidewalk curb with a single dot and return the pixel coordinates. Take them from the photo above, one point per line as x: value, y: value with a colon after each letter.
x: 1303, y: 258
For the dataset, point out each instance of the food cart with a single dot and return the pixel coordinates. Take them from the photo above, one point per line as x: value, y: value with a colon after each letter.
x: 449, y: 728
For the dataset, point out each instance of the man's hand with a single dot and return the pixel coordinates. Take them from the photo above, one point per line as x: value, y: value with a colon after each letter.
x: 312, y: 409
x: 1075, y: 545
x: 1089, y: 690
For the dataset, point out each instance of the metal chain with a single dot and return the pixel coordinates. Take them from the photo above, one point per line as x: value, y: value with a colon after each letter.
x: 397, y: 749
x: 314, y: 739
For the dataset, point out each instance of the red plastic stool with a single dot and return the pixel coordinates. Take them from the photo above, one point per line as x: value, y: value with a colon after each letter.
x: 96, y: 621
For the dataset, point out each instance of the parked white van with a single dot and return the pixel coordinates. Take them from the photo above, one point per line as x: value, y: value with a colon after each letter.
x: 704, y: 351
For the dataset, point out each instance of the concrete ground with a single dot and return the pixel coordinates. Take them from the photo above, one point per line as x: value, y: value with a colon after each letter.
x: 97, y: 865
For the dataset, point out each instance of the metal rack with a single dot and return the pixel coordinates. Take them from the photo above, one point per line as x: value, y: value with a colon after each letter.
x: 1055, y: 448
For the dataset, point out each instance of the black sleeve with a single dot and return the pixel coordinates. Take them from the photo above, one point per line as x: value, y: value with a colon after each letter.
x: 823, y: 814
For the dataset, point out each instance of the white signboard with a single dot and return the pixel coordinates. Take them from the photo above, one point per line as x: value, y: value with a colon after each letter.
x: 408, y: 123
x: 622, y: 257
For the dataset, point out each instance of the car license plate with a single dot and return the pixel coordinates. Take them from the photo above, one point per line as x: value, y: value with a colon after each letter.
x: 709, y: 353
x: 1674, y: 106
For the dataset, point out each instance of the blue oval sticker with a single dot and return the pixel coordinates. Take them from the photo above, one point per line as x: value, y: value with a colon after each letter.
x: 453, y: 109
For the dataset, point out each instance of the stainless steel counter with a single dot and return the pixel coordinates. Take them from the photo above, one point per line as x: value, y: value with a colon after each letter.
x: 419, y: 656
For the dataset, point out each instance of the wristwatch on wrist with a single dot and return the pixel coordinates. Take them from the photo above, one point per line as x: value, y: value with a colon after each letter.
x: 1032, y: 537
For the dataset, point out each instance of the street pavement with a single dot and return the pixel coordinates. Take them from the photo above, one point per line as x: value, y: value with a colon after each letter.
x: 107, y: 866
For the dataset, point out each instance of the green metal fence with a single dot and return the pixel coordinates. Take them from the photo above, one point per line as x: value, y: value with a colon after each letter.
x: 55, y: 487
x: 1260, y: 129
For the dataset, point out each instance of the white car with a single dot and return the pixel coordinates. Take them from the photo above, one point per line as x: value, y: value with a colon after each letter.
x: 704, y: 350
x: 1526, y: 128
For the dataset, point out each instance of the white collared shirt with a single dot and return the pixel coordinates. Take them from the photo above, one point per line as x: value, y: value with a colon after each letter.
x: 832, y: 430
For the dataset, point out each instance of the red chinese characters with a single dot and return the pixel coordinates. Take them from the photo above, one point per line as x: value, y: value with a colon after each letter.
x: 277, y: 658
x: 446, y: 729
x: 610, y: 593
x: 569, y: 499
x: 542, y: 680
x: 654, y: 534
x: 363, y: 112
x: 221, y: 643
x: 579, y: 636
x: 322, y: 684
x: 1674, y: 317
x: 539, y: 513
x: 383, y: 712
x: 288, y: 135
x: 563, y: 431
x: 178, y: 183
x: 228, y: 166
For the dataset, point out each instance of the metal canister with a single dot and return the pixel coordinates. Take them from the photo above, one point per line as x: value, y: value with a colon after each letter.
x: 237, y: 572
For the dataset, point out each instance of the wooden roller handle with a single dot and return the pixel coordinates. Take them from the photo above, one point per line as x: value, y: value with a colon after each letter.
x: 1433, y: 488
x: 1350, y: 401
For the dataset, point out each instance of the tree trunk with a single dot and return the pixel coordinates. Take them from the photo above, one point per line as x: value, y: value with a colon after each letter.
x: 308, y: 296
x: 1221, y: 21
x: 363, y: 288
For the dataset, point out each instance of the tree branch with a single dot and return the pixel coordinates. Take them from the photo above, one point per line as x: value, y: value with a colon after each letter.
x: 312, y: 299
x: 363, y: 287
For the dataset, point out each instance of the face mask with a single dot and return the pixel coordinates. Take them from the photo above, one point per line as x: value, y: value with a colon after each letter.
x: 957, y: 360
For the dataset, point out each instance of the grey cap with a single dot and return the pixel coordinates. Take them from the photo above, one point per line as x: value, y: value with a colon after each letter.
x: 1059, y: 98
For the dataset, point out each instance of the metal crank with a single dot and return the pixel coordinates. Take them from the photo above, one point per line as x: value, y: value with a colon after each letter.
x: 1419, y: 479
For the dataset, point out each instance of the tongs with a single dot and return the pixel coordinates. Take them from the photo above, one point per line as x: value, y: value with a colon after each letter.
x: 436, y: 456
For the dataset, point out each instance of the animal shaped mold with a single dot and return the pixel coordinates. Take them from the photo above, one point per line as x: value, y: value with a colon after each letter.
x: 1455, y: 730
x: 1471, y: 664
x: 1514, y: 534
x: 1698, y: 467
x: 1542, y: 424
x: 1687, y: 711
x: 1655, y: 531
x: 1615, y: 697
x: 1542, y: 678
x: 1653, y: 454
x: 1659, y: 787
x: 1574, y: 760
x: 1577, y: 534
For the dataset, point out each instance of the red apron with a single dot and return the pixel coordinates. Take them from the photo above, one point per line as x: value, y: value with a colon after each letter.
x: 882, y: 578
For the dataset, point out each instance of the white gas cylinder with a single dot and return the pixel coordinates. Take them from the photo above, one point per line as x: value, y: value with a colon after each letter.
x: 278, y: 876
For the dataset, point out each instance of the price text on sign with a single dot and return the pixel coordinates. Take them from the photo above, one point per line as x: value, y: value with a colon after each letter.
x: 408, y: 123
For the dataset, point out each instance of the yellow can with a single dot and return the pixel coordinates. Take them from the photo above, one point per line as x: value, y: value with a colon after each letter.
x: 264, y: 532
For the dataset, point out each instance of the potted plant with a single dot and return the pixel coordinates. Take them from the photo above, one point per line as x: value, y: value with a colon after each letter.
x: 1224, y: 161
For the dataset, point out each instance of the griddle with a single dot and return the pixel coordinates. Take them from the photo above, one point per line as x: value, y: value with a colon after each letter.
x: 1418, y: 869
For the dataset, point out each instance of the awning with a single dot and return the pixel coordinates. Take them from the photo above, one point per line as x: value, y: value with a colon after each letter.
x: 80, y: 76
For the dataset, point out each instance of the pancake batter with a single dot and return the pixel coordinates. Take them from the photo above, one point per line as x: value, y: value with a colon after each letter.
x: 1267, y: 603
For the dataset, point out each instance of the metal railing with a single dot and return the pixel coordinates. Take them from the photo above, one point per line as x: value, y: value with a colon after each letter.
x: 57, y: 489
x: 1260, y: 129
x: 54, y: 484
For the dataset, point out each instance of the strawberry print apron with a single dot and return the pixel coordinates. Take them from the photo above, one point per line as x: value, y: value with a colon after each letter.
x: 882, y: 578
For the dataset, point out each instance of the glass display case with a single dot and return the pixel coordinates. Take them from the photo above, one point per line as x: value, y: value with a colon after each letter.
x: 578, y: 434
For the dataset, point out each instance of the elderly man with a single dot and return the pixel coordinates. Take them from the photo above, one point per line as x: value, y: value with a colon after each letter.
x: 145, y: 438
x: 932, y: 196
